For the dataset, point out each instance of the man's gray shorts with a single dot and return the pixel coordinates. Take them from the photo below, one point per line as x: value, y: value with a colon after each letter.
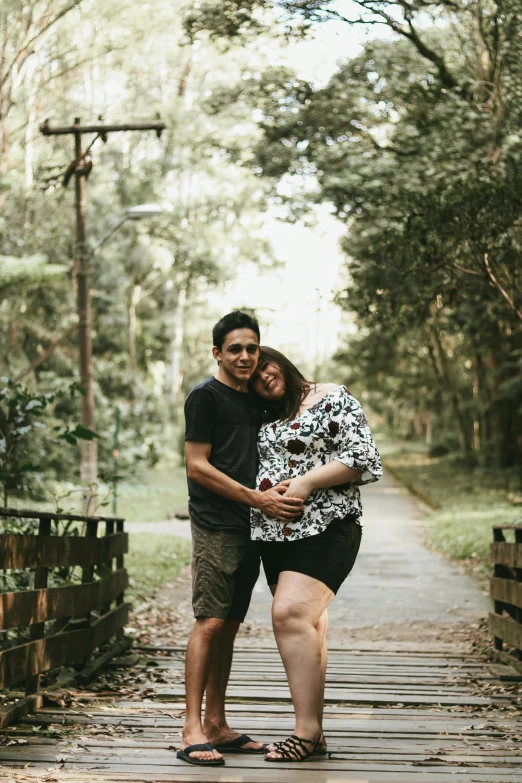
x: 225, y: 568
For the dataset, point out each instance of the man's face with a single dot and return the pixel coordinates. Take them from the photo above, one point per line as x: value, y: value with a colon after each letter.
x: 239, y: 354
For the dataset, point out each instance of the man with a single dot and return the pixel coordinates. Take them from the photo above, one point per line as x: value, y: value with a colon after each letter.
x: 222, y: 424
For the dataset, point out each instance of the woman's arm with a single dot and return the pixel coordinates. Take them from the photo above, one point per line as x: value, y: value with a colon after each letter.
x: 323, y: 476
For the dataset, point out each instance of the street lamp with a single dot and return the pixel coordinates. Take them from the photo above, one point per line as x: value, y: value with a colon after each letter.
x: 89, y: 448
x: 132, y: 213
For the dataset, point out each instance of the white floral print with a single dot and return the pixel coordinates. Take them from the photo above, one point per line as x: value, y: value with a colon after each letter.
x: 335, y: 428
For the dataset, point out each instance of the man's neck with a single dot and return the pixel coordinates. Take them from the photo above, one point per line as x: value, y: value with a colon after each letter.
x: 223, y: 377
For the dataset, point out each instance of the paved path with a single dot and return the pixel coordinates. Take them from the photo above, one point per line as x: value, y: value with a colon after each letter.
x: 396, y: 579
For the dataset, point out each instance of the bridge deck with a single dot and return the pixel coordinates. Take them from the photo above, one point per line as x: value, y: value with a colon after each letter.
x: 390, y: 716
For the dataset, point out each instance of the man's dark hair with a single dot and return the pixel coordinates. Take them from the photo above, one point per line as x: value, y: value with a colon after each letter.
x: 231, y: 321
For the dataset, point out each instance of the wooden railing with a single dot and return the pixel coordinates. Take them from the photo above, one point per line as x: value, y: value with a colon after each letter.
x: 506, y: 591
x: 66, y: 623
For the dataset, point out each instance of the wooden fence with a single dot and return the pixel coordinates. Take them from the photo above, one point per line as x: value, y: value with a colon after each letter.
x: 506, y: 591
x: 66, y: 623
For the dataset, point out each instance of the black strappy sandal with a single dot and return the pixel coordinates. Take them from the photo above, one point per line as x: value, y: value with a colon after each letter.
x: 322, y: 750
x: 294, y: 749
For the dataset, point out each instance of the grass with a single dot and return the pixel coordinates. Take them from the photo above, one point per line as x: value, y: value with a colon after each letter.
x: 466, y: 503
x: 154, y: 495
x: 153, y: 561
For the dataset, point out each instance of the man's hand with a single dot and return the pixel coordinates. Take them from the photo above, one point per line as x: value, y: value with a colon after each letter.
x: 274, y: 503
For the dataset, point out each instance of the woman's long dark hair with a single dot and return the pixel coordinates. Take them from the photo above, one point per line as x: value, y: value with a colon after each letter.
x: 297, y: 387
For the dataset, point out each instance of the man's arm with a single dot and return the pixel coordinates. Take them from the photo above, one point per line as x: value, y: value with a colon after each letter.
x: 272, y: 502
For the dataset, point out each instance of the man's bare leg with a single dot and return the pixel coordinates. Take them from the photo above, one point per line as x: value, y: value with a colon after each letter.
x: 201, y: 650
x: 215, y: 725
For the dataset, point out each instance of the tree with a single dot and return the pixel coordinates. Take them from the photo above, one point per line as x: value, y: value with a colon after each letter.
x: 416, y: 144
x: 119, y: 61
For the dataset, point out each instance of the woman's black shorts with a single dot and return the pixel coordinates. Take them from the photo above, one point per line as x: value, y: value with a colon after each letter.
x: 328, y: 556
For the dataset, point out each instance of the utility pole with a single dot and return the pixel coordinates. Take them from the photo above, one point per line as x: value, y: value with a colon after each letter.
x: 81, y: 168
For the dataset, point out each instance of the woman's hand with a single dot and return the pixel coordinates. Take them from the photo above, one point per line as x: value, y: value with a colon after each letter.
x: 300, y: 487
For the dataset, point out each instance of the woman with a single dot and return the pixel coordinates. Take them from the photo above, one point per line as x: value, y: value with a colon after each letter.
x: 319, y: 446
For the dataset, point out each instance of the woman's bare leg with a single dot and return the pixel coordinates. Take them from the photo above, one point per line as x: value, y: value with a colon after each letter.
x: 321, y: 628
x: 297, y: 614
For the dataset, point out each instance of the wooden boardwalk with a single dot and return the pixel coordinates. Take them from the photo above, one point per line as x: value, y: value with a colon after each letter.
x: 391, y: 716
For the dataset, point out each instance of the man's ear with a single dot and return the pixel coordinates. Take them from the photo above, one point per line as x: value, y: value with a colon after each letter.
x: 216, y: 353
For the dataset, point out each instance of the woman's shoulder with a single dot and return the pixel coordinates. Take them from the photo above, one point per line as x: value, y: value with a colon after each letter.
x: 339, y: 390
x: 343, y: 397
x: 327, y: 388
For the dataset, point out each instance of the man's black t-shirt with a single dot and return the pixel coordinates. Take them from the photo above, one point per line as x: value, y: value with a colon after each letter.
x: 229, y: 420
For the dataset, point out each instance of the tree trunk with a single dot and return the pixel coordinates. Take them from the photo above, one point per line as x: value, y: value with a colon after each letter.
x: 429, y: 436
x: 449, y: 386
x: 134, y: 301
x: 176, y: 350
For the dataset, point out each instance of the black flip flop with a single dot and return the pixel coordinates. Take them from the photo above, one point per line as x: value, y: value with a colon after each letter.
x: 184, y: 756
x: 236, y: 746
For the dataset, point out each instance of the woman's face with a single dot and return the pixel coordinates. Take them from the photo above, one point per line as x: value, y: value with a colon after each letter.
x: 268, y: 381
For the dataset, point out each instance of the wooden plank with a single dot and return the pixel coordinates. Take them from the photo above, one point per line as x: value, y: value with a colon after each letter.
x: 120, y: 562
x: 508, y: 659
x: 276, y: 710
x: 88, y: 568
x: 506, y: 554
x: 28, y: 514
x: 159, y: 725
x: 37, y: 630
x: 380, y: 683
x: 40, y: 655
x: 336, y: 652
x: 508, y: 591
x: 14, y: 712
x: 506, y: 629
x: 93, y: 668
x: 505, y: 673
x: 348, y: 696
x: 19, y: 551
x: 365, y: 746
x: 369, y: 741
x: 244, y: 767
x: 37, y: 606
x: 118, y: 755
x: 109, y: 624
x: 222, y: 775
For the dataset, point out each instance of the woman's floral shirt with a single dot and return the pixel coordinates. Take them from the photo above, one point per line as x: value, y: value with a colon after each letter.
x: 335, y: 428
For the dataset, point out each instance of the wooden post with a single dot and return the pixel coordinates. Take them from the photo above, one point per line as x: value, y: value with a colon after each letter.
x: 498, y: 536
x: 120, y: 560
x: 518, y: 572
x: 120, y: 563
x: 88, y: 571
x: 89, y: 449
x: 37, y: 630
x: 109, y: 530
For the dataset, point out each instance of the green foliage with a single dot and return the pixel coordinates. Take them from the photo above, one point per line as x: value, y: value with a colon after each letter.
x: 122, y: 62
x: 154, y: 561
x: 156, y: 494
x: 416, y: 144
x: 470, y: 501
x: 22, y: 420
